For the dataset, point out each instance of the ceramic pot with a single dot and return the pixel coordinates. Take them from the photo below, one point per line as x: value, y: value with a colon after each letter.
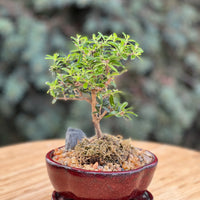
x: 80, y: 184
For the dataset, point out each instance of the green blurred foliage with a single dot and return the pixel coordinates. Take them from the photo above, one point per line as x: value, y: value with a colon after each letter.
x: 164, y: 87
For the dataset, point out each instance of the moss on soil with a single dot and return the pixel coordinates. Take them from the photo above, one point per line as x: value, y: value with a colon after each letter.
x: 107, y: 149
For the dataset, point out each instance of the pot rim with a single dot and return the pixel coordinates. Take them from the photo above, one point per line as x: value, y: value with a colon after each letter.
x: 56, y: 164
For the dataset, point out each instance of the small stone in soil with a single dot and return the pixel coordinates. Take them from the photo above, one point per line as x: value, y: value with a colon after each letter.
x: 73, y: 135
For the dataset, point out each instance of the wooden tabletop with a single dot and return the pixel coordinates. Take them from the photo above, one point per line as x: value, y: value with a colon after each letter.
x: 23, y: 173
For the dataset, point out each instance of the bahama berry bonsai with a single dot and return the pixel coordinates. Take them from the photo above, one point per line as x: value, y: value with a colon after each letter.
x: 103, y: 167
x: 88, y: 74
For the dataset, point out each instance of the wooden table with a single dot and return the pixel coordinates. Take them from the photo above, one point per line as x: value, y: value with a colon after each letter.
x: 23, y: 173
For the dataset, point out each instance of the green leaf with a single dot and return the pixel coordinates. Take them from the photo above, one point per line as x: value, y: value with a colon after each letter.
x: 52, y: 93
x: 101, y: 35
x: 116, y: 62
x: 127, y: 117
x: 107, y: 116
x: 85, y: 85
x: 132, y: 113
x: 124, y: 56
x: 48, y: 83
x: 133, y: 57
x: 49, y: 57
x: 113, y: 68
x: 126, y: 36
x: 123, y: 105
x: 111, y: 99
x: 114, y: 35
x: 113, y: 113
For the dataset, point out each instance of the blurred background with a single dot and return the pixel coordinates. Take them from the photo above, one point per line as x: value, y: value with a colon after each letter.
x: 163, y: 88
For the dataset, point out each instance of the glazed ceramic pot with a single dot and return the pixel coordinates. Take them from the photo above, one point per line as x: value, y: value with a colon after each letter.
x: 79, y: 184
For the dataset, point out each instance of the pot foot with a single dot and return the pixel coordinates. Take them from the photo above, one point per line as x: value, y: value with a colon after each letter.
x: 146, y: 195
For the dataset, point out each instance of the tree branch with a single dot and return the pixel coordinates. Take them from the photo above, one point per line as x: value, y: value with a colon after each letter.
x: 75, y: 99
x: 106, y: 85
x: 103, y: 114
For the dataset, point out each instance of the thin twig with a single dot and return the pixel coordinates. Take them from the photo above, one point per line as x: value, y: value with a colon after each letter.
x: 75, y: 99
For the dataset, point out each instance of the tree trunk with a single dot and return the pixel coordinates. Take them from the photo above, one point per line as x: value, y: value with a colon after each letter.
x: 97, y: 129
x: 95, y: 119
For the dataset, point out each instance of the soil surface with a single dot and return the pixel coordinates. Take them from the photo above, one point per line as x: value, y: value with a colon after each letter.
x: 108, y: 153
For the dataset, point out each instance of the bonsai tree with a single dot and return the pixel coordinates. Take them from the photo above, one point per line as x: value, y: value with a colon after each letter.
x: 88, y: 74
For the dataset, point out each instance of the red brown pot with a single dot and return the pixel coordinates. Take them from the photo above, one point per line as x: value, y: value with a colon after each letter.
x: 80, y: 184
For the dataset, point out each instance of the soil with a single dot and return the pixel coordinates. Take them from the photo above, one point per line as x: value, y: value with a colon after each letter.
x: 108, y: 153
